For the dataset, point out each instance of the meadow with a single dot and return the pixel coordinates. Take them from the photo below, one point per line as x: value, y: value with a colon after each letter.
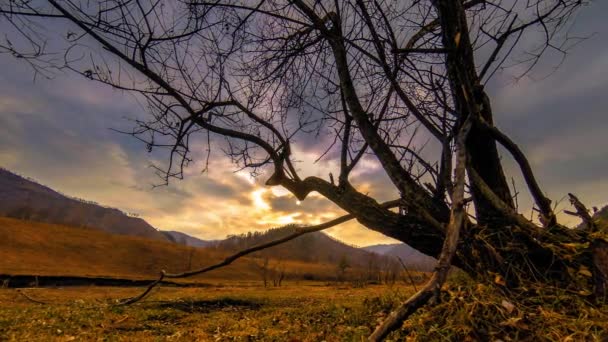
x: 232, y: 303
x: 232, y: 311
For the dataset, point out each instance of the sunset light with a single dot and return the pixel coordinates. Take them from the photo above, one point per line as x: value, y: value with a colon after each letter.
x: 303, y: 170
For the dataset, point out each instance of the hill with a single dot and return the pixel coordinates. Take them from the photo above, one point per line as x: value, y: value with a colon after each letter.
x: 26, y: 199
x: 34, y: 248
x: 412, y: 259
x: 380, y: 249
x: 187, y: 240
x: 314, y: 247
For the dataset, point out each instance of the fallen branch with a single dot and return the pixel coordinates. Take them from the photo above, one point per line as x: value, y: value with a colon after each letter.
x: 145, y: 293
x: 30, y: 298
x: 298, y: 232
x: 457, y: 219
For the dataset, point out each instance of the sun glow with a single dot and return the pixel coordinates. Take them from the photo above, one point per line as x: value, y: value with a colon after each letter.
x: 259, y: 203
x: 281, y: 220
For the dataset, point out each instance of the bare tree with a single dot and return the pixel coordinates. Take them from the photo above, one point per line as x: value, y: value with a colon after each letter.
x: 263, y: 269
x: 400, y: 83
x: 278, y: 274
x: 341, y: 267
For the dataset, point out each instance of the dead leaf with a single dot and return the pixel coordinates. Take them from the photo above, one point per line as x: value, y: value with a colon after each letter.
x: 585, y: 272
x: 500, y: 280
x: 508, y: 305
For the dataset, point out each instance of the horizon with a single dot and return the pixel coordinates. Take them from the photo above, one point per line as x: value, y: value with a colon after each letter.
x: 59, y: 132
x: 137, y: 216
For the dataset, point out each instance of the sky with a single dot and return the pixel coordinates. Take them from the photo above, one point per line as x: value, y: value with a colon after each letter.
x: 58, y: 132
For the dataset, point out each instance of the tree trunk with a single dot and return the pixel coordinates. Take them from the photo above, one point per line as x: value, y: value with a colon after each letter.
x: 470, y: 99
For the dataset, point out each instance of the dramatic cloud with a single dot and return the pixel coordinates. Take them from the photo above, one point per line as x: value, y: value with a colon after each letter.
x: 58, y: 132
x: 558, y: 116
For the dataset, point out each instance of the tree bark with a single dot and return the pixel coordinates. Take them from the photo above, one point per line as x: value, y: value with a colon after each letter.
x: 465, y: 84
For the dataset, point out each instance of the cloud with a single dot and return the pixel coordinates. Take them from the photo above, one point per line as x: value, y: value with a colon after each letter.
x: 57, y: 131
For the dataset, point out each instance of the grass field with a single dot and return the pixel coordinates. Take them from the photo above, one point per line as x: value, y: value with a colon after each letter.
x: 230, y: 308
x: 224, y: 312
x: 33, y: 248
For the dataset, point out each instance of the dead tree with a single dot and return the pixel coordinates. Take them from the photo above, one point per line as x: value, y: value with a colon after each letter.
x: 341, y: 267
x: 278, y: 275
x: 402, y: 81
x: 264, y: 270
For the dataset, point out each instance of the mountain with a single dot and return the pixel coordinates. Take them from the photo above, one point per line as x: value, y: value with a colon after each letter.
x: 187, y: 240
x: 380, y: 249
x: 412, y: 259
x: 24, y: 198
x: 316, y: 247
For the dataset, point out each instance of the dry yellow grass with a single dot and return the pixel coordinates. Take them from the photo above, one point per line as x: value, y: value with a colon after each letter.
x: 305, y: 311
x: 32, y: 248
x: 229, y: 312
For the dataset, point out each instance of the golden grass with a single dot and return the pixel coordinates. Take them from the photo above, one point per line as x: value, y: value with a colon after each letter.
x: 304, y: 311
x: 33, y: 248
x: 476, y: 312
x: 228, y: 312
x: 231, y: 310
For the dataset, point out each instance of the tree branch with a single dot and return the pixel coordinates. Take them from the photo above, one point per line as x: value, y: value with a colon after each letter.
x: 548, y: 217
x: 229, y: 260
x: 457, y: 220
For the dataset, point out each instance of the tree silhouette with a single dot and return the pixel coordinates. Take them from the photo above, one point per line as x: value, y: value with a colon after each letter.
x: 400, y: 83
x: 341, y: 267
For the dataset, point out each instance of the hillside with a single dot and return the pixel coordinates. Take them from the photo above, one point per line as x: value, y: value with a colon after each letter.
x: 24, y: 198
x: 33, y: 248
x: 412, y: 259
x: 316, y: 247
x: 186, y: 240
x: 380, y: 249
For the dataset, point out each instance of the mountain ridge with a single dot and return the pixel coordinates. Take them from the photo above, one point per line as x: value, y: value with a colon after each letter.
x: 24, y: 198
x: 411, y: 258
x: 186, y: 239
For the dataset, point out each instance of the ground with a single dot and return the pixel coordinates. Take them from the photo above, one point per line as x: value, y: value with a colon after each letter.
x: 222, y: 312
x: 298, y: 311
